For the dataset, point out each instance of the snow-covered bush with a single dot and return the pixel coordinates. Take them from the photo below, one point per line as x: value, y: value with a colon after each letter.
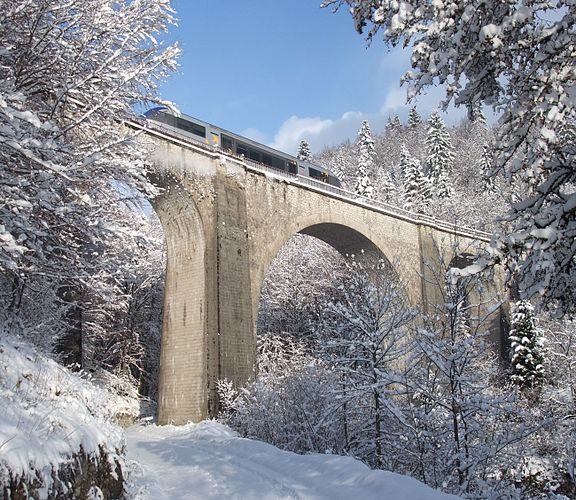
x: 290, y: 404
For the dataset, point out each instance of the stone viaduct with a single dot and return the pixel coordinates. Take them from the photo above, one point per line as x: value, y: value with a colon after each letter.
x: 224, y: 221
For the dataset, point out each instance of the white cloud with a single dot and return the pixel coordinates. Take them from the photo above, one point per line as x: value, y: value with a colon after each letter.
x: 324, y: 132
x: 320, y: 133
x: 295, y: 129
x: 395, y: 100
x: 255, y: 135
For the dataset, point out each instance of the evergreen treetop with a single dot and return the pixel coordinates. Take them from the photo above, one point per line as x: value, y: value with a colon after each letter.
x: 304, y: 152
x: 440, y: 158
x: 414, y: 118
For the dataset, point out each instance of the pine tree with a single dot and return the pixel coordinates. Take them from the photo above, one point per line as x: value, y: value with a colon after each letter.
x: 386, y: 187
x: 393, y: 124
x: 304, y: 152
x: 414, y: 118
x: 486, y: 166
x: 416, y: 184
x: 476, y: 115
x: 338, y: 167
x: 527, y: 347
x: 444, y: 187
x: 440, y: 158
x: 366, y: 153
x: 405, y: 159
x: 363, y: 185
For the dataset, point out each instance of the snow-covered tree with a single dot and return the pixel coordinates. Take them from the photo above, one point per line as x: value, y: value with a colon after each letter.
x: 386, y: 188
x: 526, y: 344
x: 486, y: 165
x: 304, y: 152
x: 365, y: 145
x: 416, y: 185
x: 517, y: 57
x: 393, y: 123
x: 460, y: 423
x: 414, y: 118
x: 70, y: 72
x: 365, y: 331
x: 440, y: 157
x: 338, y: 167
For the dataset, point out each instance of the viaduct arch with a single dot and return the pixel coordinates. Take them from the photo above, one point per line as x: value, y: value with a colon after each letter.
x: 225, y: 220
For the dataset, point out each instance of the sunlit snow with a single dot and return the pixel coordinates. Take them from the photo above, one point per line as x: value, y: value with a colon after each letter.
x: 210, y: 461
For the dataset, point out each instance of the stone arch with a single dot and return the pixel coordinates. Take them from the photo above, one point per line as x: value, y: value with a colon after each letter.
x: 343, y: 238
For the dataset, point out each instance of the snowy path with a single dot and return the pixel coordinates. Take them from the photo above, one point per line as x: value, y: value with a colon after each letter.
x: 208, y: 461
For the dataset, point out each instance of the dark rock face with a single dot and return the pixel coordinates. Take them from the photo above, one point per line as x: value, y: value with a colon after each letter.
x: 71, y: 480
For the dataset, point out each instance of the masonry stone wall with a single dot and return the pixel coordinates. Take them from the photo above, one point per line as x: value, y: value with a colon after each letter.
x: 224, y: 225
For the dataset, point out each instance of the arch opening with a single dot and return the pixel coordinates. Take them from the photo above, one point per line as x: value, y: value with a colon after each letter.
x: 310, y: 267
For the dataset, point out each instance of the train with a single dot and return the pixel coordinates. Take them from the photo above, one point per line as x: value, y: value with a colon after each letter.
x: 238, y: 145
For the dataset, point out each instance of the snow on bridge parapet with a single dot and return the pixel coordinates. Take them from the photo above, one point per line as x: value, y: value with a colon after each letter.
x: 310, y: 183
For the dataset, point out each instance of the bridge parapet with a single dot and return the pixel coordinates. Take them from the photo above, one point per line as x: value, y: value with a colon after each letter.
x: 308, y: 182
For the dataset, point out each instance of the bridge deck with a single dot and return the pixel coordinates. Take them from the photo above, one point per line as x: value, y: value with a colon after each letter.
x: 315, y: 185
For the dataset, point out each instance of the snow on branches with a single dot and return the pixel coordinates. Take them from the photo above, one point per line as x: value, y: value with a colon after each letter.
x: 519, y: 58
x: 70, y: 73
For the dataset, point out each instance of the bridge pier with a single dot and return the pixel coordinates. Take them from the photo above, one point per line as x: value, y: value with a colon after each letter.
x: 208, y: 328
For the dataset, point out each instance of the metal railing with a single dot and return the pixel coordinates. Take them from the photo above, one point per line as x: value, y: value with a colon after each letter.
x: 316, y: 185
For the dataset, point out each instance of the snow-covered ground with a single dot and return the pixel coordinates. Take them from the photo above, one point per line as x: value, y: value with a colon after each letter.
x: 209, y: 461
x: 48, y: 413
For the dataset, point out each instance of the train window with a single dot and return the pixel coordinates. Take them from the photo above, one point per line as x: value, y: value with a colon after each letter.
x: 227, y: 143
x: 191, y: 127
x: 254, y: 155
x: 163, y: 118
x: 273, y: 161
x: 314, y: 172
x: 241, y: 149
x: 278, y: 163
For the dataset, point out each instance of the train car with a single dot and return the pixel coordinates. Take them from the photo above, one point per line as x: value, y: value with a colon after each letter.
x: 206, y: 133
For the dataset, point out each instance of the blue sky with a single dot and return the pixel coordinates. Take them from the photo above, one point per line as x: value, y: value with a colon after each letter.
x: 280, y: 71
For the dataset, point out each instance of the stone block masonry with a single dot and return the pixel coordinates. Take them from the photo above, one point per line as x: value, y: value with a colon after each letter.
x: 224, y: 224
